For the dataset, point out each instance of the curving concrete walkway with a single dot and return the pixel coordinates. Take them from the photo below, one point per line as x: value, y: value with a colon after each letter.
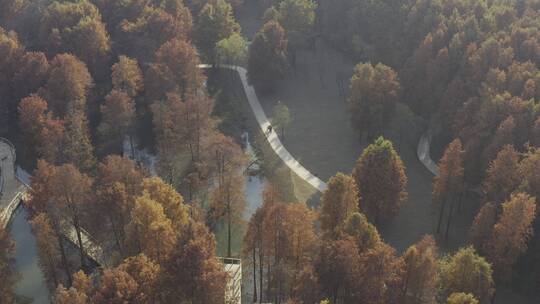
x: 272, y: 137
x: 423, y: 153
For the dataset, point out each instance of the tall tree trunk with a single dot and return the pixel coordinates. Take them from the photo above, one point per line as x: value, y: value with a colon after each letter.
x: 261, y: 270
x: 449, y: 219
x: 254, y: 274
x: 65, y: 263
x: 79, y: 239
x: 116, y: 236
x: 229, y: 254
x: 441, y: 212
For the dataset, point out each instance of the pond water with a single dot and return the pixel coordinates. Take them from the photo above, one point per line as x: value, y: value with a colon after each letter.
x: 32, y: 282
x: 254, y: 183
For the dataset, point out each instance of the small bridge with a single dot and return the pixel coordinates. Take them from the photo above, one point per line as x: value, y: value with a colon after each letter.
x: 14, y: 189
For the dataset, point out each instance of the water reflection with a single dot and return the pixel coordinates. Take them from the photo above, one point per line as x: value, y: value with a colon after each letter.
x: 254, y: 183
x: 32, y: 283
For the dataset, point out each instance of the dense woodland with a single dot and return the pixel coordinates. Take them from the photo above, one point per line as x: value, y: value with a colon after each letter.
x: 82, y: 80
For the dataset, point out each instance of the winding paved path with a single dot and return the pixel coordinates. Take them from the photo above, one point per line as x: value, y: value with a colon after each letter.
x: 272, y: 137
x: 263, y: 121
x: 423, y: 153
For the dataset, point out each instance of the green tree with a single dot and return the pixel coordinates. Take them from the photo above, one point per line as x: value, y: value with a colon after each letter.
x: 380, y: 176
x: 297, y: 18
x: 216, y: 22
x: 465, y: 271
x: 267, y: 60
x: 338, y: 202
x: 232, y: 50
x: 281, y: 117
x: 374, y: 92
x: 362, y: 231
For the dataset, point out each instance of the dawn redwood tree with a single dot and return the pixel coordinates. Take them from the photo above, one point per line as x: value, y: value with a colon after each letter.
x: 448, y: 185
x: 420, y: 278
x: 503, y: 136
x: 172, y: 202
x: 291, y: 244
x: 216, y: 22
x: 511, y: 233
x: 194, y: 253
x: 42, y: 192
x: 228, y: 202
x: 127, y: 76
x: 11, y: 51
x: 529, y: 173
x: 502, y: 176
x: 71, y: 295
x: 381, y: 275
x: 466, y: 271
x: 117, y: 120
x: 146, y: 274
x: 339, y: 271
x: 141, y: 28
x: 31, y: 74
x: 68, y: 84
x: 338, y: 202
x: 150, y: 231
x: 174, y: 71
x: 75, y: 28
x: 461, y: 298
x: 71, y: 195
x: 115, y: 286
x: 374, y: 92
x: 267, y: 61
x: 42, y: 133
x: 362, y: 231
x: 381, y: 180
x: 482, y: 227
x: 78, y: 148
x: 49, y: 258
x: 535, y: 133
x: 8, y: 273
x: 10, y: 8
x: 255, y: 243
x: 118, y: 183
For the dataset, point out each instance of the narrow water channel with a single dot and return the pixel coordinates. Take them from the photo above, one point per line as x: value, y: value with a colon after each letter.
x: 254, y: 182
x: 31, y: 284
